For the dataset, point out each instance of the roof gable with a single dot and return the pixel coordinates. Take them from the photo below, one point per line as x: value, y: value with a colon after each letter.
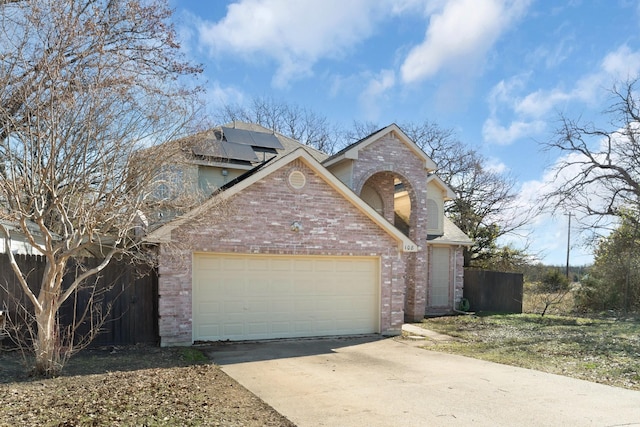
x: 351, y: 152
x: 449, y: 194
x: 163, y: 233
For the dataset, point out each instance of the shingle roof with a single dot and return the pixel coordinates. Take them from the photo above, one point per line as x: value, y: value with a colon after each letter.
x: 348, y: 147
x: 452, y: 235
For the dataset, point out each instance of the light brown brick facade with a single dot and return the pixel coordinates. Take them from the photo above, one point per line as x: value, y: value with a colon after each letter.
x: 259, y: 220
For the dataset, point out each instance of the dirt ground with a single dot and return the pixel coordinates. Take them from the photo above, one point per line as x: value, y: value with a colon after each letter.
x: 130, y: 386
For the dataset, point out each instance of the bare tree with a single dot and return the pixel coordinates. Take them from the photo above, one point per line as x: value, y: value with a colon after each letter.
x: 599, y: 171
x: 486, y: 206
x: 551, y: 290
x: 598, y: 178
x: 359, y: 130
x: 84, y: 85
x: 290, y: 120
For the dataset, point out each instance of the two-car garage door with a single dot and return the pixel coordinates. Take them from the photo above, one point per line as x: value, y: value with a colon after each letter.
x: 244, y: 297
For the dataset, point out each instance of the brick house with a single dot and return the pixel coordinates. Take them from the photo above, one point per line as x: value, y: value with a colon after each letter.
x: 296, y: 243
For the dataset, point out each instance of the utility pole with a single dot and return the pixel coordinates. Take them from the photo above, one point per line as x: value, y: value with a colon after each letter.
x: 568, y: 245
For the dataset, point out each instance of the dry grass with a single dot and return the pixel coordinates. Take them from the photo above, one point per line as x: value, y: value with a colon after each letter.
x: 140, y: 386
x: 534, y: 302
x: 601, y: 350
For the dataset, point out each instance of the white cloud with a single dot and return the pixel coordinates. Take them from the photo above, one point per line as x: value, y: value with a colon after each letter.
x: 425, y: 7
x: 529, y: 112
x: 186, y: 30
x: 539, y: 103
x: 460, y: 35
x: 495, y: 165
x: 622, y: 63
x: 495, y: 133
x: 376, y: 88
x: 552, y: 57
x: 294, y: 34
x: 219, y: 96
x: 503, y: 92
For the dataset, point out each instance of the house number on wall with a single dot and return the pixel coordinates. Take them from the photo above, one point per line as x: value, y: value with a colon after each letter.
x: 410, y: 248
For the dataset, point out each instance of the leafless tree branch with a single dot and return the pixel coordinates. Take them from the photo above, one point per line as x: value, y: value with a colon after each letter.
x: 85, y: 86
x: 598, y: 173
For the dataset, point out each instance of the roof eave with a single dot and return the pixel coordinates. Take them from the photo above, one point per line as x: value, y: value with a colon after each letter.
x: 447, y: 242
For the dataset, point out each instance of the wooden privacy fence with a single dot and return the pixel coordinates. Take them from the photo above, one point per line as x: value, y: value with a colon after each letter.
x: 131, y: 292
x: 493, y: 291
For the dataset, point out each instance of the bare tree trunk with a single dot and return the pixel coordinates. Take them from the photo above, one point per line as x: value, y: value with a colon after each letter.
x: 47, y: 345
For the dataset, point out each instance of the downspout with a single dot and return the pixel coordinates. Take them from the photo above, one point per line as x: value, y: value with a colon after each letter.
x: 428, y: 271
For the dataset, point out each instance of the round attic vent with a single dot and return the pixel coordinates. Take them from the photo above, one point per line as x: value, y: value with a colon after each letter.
x: 297, y: 180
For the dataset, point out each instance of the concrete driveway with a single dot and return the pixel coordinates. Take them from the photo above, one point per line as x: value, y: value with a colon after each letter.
x: 368, y: 381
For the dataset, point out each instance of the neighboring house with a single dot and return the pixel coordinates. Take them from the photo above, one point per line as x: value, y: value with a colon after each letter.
x: 18, y: 242
x: 296, y: 243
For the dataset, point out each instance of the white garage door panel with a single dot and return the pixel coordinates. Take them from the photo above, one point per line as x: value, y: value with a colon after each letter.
x: 240, y: 297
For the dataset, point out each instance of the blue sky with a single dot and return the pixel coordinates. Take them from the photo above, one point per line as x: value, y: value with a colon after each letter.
x: 498, y: 72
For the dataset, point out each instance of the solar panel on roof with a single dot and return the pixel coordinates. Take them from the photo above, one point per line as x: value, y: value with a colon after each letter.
x: 238, y: 151
x: 224, y: 150
x: 246, y: 137
x: 238, y: 136
x: 267, y: 140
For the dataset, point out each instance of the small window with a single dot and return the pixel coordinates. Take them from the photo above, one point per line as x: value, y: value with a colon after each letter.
x: 433, y: 215
x: 297, y: 180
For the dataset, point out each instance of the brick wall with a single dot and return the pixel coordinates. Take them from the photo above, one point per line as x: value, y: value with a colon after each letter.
x: 258, y: 220
x: 385, y: 159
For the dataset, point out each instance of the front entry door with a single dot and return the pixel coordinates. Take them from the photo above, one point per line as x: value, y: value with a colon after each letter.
x: 439, y: 295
